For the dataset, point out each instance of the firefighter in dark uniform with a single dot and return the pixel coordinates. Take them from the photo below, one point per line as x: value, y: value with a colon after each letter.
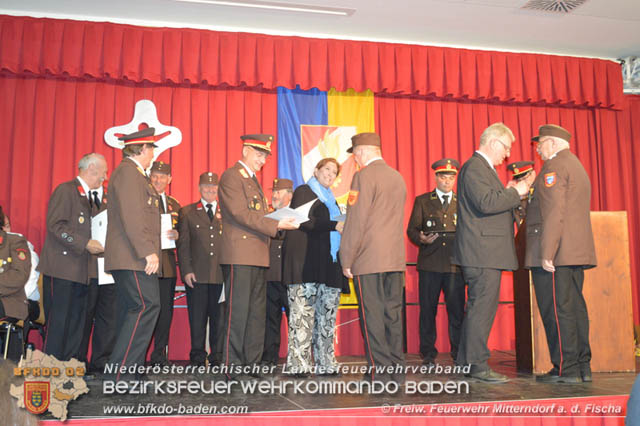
x: 276, y: 292
x: 432, y: 228
x: 15, y: 267
x: 160, y: 178
x: 520, y: 170
x: 199, y: 249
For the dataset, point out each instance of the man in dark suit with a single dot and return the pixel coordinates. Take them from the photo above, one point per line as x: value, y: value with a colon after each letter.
x: 132, y: 252
x: 372, y: 252
x: 160, y: 177
x: 484, y: 244
x: 65, y: 258
x: 432, y: 228
x: 245, y: 251
x: 277, y: 299
x: 101, y: 303
x: 559, y: 248
x: 199, y: 248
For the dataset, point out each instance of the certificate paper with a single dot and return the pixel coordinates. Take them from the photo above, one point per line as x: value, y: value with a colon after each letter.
x: 103, y: 277
x: 166, y: 225
x: 99, y: 227
x: 300, y: 214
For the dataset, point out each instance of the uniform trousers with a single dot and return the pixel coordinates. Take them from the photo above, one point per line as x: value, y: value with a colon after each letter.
x: 565, y: 318
x: 380, y: 309
x: 482, y: 305
x: 101, y: 318
x: 277, y: 300
x: 313, y: 309
x: 245, y: 295
x: 65, y: 311
x: 138, y: 308
x: 203, y: 307
x: 430, y: 284
x: 167, y: 289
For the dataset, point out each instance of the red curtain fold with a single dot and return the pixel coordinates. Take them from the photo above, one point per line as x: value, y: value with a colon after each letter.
x: 160, y: 55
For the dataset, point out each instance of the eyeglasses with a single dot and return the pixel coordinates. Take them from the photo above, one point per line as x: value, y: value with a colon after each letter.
x: 506, y: 147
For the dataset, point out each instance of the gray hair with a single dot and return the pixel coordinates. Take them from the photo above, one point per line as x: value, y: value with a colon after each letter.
x: 89, y: 159
x: 496, y: 130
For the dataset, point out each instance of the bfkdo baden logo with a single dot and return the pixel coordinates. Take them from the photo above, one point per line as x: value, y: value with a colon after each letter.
x: 37, y: 396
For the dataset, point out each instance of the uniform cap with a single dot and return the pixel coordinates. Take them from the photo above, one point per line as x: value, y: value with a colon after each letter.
x: 161, y: 167
x: 446, y: 165
x: 208, y: 178
x: 279, y: 184
x: 140, y: 137
x: 372, y: 139
x: 259, y: 141
x: 551, y: 130
x: 520, y: 168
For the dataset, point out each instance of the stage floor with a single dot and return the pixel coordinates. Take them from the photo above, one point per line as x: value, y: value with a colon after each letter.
x: 521, y: 387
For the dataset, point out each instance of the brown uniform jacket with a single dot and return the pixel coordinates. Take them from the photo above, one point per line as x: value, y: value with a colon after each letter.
x: 427, y: 209
x: 93, y: 259
x: 64, y: 254
x: 15, y: 259
x: 168, y: 257
x: 200, y: 243
x: 484, y: 234
x: 373, y: 237
x: 558, y: 217
x: 133, y: 230
x: 245, y: 240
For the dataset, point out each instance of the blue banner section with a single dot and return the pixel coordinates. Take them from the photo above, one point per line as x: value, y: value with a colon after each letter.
x: 297, y: 107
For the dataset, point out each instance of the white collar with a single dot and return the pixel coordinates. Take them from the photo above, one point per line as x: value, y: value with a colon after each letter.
x: 214, y: 204
x: 137, y: 163
x: 448, y: 194
x: 85, y: 187
x: 251, y: 173
x: 487, y: 159
x: 372, y: 160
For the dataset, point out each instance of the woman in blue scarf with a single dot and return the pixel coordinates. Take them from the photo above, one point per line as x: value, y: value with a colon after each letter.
x: 311, y: 269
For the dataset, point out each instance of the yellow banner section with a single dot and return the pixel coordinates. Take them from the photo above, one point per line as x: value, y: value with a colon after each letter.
x: 351, y: 108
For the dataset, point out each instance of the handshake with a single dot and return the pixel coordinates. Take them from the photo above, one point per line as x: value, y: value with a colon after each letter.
x: 522, y: 185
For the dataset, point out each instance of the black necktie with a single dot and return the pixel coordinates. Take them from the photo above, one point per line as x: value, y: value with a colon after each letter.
x: 445, y: 202
x: 96, y: 200
x: 210, y: 212
x: 255, y: 179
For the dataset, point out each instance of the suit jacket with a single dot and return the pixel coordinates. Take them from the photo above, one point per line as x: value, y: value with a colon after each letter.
x: 558, y: 218
x: 373, y: 237
x: 15, y: 267
x: 434, y: 257
x: 245, y: 240
x: 133, y: 230
x: 93, y: 259
x: 307, y: 251
x: 484, y: 235
x: 168, y: 257
x: 64, y: 254
x: 200, y: 243
x: 274, y: 273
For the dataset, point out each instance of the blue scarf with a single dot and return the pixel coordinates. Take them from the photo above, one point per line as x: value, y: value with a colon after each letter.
x: 326, y: 196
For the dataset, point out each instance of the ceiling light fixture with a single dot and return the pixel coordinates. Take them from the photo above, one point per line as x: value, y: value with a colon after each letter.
x: 289, y: 7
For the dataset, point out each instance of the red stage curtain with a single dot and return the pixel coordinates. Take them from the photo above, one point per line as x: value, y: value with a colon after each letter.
x: 160, y: 55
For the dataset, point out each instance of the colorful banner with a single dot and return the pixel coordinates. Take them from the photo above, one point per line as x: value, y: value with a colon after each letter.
x: 313, y: 125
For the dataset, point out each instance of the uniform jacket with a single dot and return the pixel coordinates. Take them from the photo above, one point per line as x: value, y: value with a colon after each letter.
x: 133, y: 230
x: 64, y: 254
x: 93, y: 259
x: 484, y: 234
x: 245, y: 240
x: 15, y: 269
x: 168, y: 257
x: 200, y: 243
x: 373, y: 237
x: 307, y: 251
x: 434, y: 257
x: 558, y: 218
x: 274, y: 273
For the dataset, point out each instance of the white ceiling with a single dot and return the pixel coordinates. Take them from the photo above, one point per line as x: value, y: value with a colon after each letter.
x: 598, y: 28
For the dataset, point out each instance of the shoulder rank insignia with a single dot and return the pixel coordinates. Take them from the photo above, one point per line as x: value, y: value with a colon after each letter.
x: 244, y: 174
x: 353, y: 197
x: 550, y: 179
x: 433, y: 196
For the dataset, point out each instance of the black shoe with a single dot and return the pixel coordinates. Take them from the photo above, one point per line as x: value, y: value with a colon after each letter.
x: 553, y: 377
x: 585, y: 373
x: 488, y: 376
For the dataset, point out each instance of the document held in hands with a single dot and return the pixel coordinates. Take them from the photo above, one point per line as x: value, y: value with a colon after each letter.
x: 300, y: 214
x: 99, y: 227
x: 166, y: 225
